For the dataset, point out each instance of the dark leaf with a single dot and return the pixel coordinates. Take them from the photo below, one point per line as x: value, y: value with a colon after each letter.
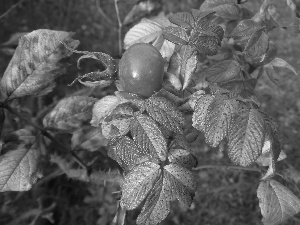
x: 70, y: 113
x: 35, y: 64
x: 246, y: 137
x: 257, y: 45
x: 182, y: 19
x: 224, y: 8
x: 116, y: 125
x: 183, y: 158
x: 88, y: 138
x: 149, y: 137
x: 164, y: 112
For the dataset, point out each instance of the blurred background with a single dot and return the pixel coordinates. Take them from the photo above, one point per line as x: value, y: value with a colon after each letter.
x: 224, y: 197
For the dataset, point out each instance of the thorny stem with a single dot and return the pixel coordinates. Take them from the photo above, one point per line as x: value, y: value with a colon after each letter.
x: 46, y: 134
x: 228, y: 167
x: 120, y: 27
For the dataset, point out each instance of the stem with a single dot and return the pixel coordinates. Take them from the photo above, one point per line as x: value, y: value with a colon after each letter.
x: 46, y: 134
x: 101, y: 12
x: 228, y: 167
x: 11, y: 8
x: 120, y: 27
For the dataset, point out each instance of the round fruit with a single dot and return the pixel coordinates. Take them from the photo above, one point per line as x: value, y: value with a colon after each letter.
x: 141, y: 70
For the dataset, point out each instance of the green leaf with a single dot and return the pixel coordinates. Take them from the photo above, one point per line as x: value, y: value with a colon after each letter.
x: 19, y: 161
x: 277, y: 62
x: 70, y: 113
x: 36, y: 63
x: 271, y: 73
x: 133, y: 98
x: 194, y: 98
x: 257, y: 45
x: 137, y: 184
x: 277, y: 202
x: 188, y: 65
x: 224, y: 8
x: 165, y: 113
x: 222, y: 71
x: 88, y: 138
x: 127, y: 153
x: 246, y: 137
x: 176, y: 35
x: 220, y: 115
x: 201, y: 110
x: 148, y: 136
x: 183, y: 158
x: 182, y: 19
x: 245, y: 28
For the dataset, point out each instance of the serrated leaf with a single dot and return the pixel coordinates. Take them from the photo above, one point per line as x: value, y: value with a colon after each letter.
x: 127, y: 153
x: 35, y: 64
x: 189, y: 65
x: 19, y: 162
x: 70, y: 113
x: 208, y: 5
x: 176, y: 35
x: 165, y: 113
x: 204, y: 44
x: 88, y: 138
x: 223, y: 8
x: 167, y: 49
x: 277, y: 202
x: 245, y: 28
x: 148, y: 136
x: 194, y: 98
x: 183, y: 158
x: 246, y: 137
x: 278, y: 62
x: 200, y: 111
x: 137, y: 184
x: 176, y: 182
x: 134, y: 98
x: 143, y: 32
x: 257, y: 45
x: 220, y: 115
x: 182, y: 19
x: 116, y: 125
x: 222, y: 71
x: 104, y: 107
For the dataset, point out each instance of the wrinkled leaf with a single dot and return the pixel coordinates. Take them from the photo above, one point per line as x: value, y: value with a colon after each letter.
x: 220, y: 115
x: 183, y: 158
x: 182, y: 19
x: 223, y: 8
x: 194, y: 98
x: 35, y: 64
x: 70, y: 113
x: 104, y: 107
x: 88, y: 138
x: 137, y: 184
x: 188, y: 67
x: 165, y: 113
x: 257, y: 45
x: 176, y: 35
x: 116, y: 125
x: 246, y: 137
x: 201, y: 110
x: 134, y: 98
x: 277, y: 203
x: 222, y: 71
x: 148, y: 136
x: 19, y: 161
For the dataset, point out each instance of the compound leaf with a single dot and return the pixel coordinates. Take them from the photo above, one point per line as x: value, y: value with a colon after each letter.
x: 182, y: 19
x: 222, y: 71
x: 165, y: 113
x: 148, y: 136
x: 35, y: 64
x: 246, y: 137
x: 70, y: 113
x: 277, y: 203
x: 19, y: 161
x: 177, y: 35
x: 201, y: 110
x: 88, y: 138
x: 137, y: 184
x: 221, y: 113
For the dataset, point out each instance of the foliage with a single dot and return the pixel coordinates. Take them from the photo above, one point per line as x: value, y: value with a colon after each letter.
x: 214, y: 57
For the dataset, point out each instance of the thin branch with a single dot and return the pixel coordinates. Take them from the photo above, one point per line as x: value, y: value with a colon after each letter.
x: 11, y: 8
x: 102, y: 13
x: 120, y: 26
x: 228, y: 167
x: 46, y: 134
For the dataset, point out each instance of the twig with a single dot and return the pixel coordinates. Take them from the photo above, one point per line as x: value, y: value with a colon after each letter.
x: 11, y: 8
x: 228, y: 167
x: 120, y: 27
x: 102, y: 13
x: 46, y: 134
